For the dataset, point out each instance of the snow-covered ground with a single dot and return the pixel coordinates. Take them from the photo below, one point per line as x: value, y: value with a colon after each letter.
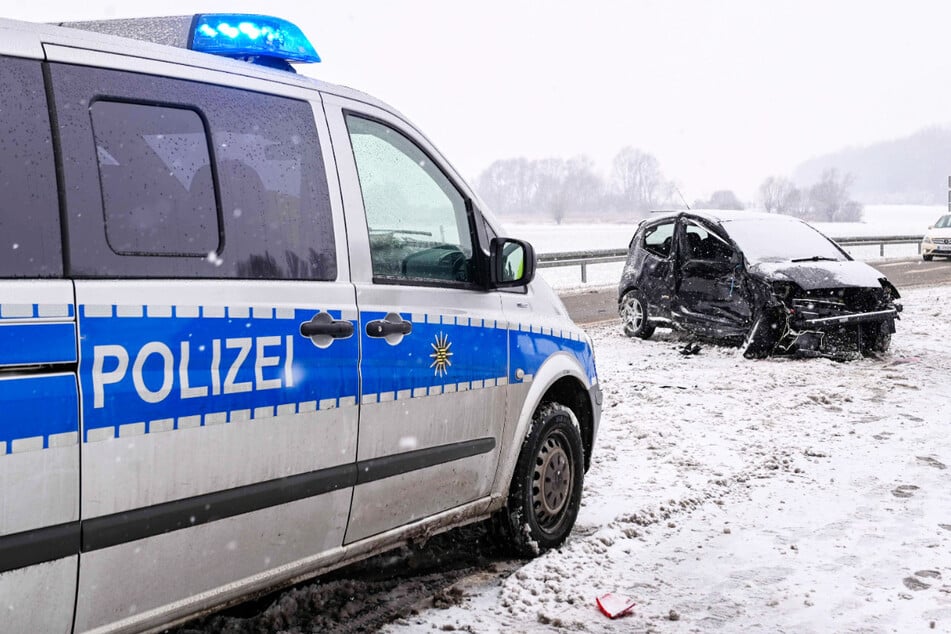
x: 878, y: 220
x: 767, y: 496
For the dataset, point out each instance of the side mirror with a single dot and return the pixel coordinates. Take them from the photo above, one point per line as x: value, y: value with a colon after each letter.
x: 511, y: 263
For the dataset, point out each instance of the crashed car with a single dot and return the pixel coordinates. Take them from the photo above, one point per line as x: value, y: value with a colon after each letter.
x: 769, y: 283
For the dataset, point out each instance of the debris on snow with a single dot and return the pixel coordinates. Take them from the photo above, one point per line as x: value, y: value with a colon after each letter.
x: 615, y: 605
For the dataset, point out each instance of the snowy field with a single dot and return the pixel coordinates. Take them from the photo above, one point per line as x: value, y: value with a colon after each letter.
x: 729, y: 495
x: 879, y: 220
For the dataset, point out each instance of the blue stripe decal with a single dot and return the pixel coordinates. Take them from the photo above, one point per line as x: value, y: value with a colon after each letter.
x: 35, y: 343
x: 531, y: 349
x: 37, y: 407
x: 159, y: 373
x: 440, y: 357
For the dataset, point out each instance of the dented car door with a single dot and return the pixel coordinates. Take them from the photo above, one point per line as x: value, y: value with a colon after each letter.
x: 710, y: 282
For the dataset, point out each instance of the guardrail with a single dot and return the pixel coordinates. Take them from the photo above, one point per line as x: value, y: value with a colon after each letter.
x: 601, y: 256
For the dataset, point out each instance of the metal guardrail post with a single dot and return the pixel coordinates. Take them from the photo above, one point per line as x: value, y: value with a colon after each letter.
x: 584, y: 272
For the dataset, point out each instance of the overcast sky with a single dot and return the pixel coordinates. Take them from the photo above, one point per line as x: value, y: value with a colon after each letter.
x: 724, y: 94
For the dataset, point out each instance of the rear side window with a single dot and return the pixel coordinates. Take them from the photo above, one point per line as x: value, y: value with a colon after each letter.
x: 29, y: 210
x: 155, y: 198
x: 167, y: 178
x: 657, y: 239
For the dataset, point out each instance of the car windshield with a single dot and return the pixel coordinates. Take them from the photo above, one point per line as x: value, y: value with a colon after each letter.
x: 943, y: 222
x: 768, y: 240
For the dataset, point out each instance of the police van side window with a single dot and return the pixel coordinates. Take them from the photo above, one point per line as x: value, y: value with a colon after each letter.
x: 417, y: 219
x: 155, y: 170
x: 168, y: 178
x: 30, y: 244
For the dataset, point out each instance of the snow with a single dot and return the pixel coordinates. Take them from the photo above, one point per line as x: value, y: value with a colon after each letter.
x: 765, y: 496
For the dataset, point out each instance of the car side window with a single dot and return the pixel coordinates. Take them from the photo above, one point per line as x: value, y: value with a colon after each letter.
x: 658, y: 239
x: 702, y: 244
x: 417, y: 219
x: 30, y: 244
x: 155, y: 200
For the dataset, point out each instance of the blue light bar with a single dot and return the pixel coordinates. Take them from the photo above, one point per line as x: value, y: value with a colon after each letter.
x: 244, y: 36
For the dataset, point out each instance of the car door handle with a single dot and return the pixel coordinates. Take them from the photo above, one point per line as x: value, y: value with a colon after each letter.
x: 337, y: 329
x: 384, y: 328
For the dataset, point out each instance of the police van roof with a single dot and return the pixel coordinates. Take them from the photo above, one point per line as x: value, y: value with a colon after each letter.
x: 64, y: 42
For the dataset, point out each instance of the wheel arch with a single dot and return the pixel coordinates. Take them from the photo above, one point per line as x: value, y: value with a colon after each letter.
x: 562, y: 379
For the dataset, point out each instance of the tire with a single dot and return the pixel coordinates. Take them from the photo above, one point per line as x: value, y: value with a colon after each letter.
x: 633, y: 312
x: 876, y: 338
x: 546, y: 487
x: 927, y: 258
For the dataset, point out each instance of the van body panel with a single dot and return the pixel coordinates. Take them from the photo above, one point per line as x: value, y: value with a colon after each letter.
x: 39, y: 454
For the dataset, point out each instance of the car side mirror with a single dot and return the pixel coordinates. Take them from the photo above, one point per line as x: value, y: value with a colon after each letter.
x: 511, y: 263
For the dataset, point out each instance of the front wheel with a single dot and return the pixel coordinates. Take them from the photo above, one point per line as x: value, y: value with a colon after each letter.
x: 634, y: 319
x: 927, y: 258
x: 876, y: 338
x: 546, y: 487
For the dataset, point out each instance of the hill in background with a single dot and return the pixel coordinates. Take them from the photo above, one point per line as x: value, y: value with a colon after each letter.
x: 911, y: 170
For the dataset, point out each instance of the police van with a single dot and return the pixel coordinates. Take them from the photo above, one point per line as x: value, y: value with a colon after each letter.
x: 253, y: 327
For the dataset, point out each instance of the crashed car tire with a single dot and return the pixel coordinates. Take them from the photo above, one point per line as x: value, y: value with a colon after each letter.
x: 634, y: 316
x: 545, y: 493
x: 876, y: 338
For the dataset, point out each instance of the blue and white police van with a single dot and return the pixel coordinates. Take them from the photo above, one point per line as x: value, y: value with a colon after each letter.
x: 252, y: 327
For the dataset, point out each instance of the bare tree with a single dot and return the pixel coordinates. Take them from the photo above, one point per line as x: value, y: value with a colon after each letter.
x: 508, y: 186
x: 777, y: 194
x: 563, y: 187
x: 725, y: 199
x: 829, y: 199
x: 638, y: 179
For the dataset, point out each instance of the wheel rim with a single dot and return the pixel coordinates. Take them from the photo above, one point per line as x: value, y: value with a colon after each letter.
x: 552, y: 481
x: 633, y: 313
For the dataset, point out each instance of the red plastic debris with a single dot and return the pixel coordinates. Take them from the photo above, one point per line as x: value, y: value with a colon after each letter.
x: 615, y: 605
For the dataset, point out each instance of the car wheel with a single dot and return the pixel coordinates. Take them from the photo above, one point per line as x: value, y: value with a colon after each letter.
x: 634, y: 318
x: 876, y: 338
x: 546, y: 487
x: 927, y: 258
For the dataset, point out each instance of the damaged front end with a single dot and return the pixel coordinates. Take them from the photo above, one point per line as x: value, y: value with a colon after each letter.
x: 841, y: 322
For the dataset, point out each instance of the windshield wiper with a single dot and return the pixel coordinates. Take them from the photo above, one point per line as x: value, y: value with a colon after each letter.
x: 815, y: 258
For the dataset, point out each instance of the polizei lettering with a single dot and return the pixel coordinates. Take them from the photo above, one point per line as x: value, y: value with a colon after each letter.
x: 240, y: 364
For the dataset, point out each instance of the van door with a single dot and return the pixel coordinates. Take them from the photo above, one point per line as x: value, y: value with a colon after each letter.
x: 39, y: 398
x: 217, y: 357
x: 434, y: 361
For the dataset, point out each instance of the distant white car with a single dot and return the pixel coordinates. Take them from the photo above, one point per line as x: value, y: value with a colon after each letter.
x: 937, y: 240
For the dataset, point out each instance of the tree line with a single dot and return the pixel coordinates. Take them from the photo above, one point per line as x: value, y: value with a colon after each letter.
x: 562, y: 189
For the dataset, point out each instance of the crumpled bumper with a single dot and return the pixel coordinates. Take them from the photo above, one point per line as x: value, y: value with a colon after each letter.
x: 852, y: 318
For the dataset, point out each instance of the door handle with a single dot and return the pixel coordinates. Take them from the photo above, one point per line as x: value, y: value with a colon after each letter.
x: 322, y: 329
x: 383, y: 328
x: 338, y: 329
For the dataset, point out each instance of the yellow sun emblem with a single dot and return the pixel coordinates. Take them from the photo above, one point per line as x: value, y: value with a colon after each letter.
x: 440, y: 355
